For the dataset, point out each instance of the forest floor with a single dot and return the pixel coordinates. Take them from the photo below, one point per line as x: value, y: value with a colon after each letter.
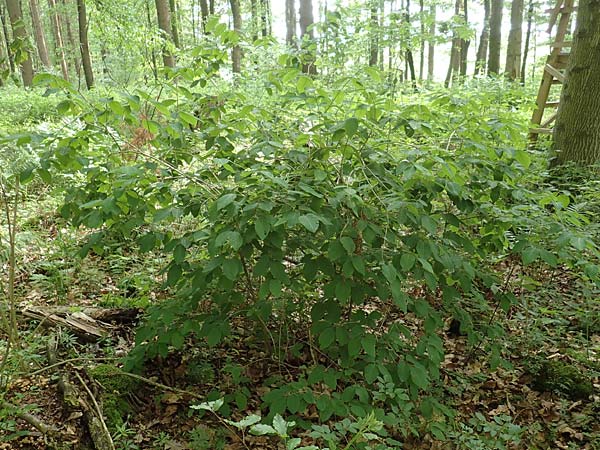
x: 546, y: 395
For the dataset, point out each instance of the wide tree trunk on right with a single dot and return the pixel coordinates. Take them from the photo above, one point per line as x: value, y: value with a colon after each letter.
x: 577, y: 129
x: 308, y: 37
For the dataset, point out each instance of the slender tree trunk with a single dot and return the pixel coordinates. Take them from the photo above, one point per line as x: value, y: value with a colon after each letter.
x: 150, y: 24
x: 495, y: 36
x: 204, y: 12
x: 515, y: 41
x: 265, y: 18
x: 422, y: 43
x: 58, y: 40
x: 174, y: 23
x: 464, y: 43
x: 481, y: 59
x: 236, y: 52
x: 40, y: 38
x: 374, y: 30
x: 5, y: 32
x: 211, y: 7
x: 66, y: 17
x: 577, y: 129
x: 164, y: 23
x: 527, y: 41
x: 20, y: 34
x: 308, y: 37
x: 455, y: 51
x: 431, y: 45
x: 255, y: 20
x: 410, y: 62
x: 290, y: 23
x: 84, y: 45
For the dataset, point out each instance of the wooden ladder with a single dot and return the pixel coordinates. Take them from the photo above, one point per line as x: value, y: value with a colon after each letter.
x: 553, y: 69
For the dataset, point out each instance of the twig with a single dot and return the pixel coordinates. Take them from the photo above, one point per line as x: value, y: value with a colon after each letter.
x: 98, y: 411
x: 30, y: 419
x: 159, y: 385
x: 66, y: 361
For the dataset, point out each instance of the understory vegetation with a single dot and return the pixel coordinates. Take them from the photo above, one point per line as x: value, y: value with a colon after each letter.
x: 336, y: 262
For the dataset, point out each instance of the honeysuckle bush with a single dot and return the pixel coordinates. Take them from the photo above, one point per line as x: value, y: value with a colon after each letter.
x: 339, y: 225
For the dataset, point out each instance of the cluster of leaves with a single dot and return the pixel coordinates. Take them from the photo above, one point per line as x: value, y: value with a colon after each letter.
x: 318, y: 219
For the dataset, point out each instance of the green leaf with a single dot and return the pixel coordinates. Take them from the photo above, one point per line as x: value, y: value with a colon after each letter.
x: 335, y: 251
x: 310, y: 222
x: 232, y: 268
x: 225, y: 201
x: 389, y: 272
x: 529, y: 255
x: 359, y: 264
x: 281, y: 426
x: 188, y: 118
x: 233, y: 237
x: 368, y: 343
x: 343, y: 290
x: 261, y: 429
x: 371, y: 373
x: 209, y: 406
x: 303, y: 83
x: 407, y: 261
x: 327, y: 337
x: 419, y: 376
x: 147, y: 242
x: 262, y: 226
x: 351, y: 126
x: 348, y: 244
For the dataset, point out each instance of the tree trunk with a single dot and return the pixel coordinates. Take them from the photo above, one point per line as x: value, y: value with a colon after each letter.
x: 40, y: 38
x: 577, y: 129
x: 174, y: 23
x: 455, y: 51
x: 204, y: 13
x: 150, y: 24
x: 530, y: 10
x: 20, y: 34
x: 236, y: 52
x: 308, y: 37
x: 481, y: 59
x: 495, y: 36
x: 70, y: 38
x: 431, y: 46
x: 373, y: 31
x: 164, y: 23
x: 515, y: 41
x: 84, y: 45
x: 211, y: 7
x: 58, y: 40
x: 265, y: 18
x: 255, y: 20
x: 290, y: 23
x: 422, y: 43
x: 464, y: 43
x: 11, y: 59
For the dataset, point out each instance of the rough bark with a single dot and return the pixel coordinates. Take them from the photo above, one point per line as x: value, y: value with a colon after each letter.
x: 20, y: 33
x: 422, y: 43
x: 164, y: 23
x: 66, y: 18
x: 530, y: 10
x: 236, y: 52
x: 204, y: 12
x: 464, y: 43
x: 38, y: 30
x: 431, y: 46
x: 515, y: 41
x: 211, y: 7
x: 58, y: 40
x: 84, y: 45
x: 373, y: 31
x: 174, y: 23
x: 484, y: 39
x: 11, y: 60
x: 265, y: 18
x: 254, y: 18
x: 308, y: 37
x: 495, y: 44
x: 577, y: 129
x: 455, y: 51
x: 290, y: 23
